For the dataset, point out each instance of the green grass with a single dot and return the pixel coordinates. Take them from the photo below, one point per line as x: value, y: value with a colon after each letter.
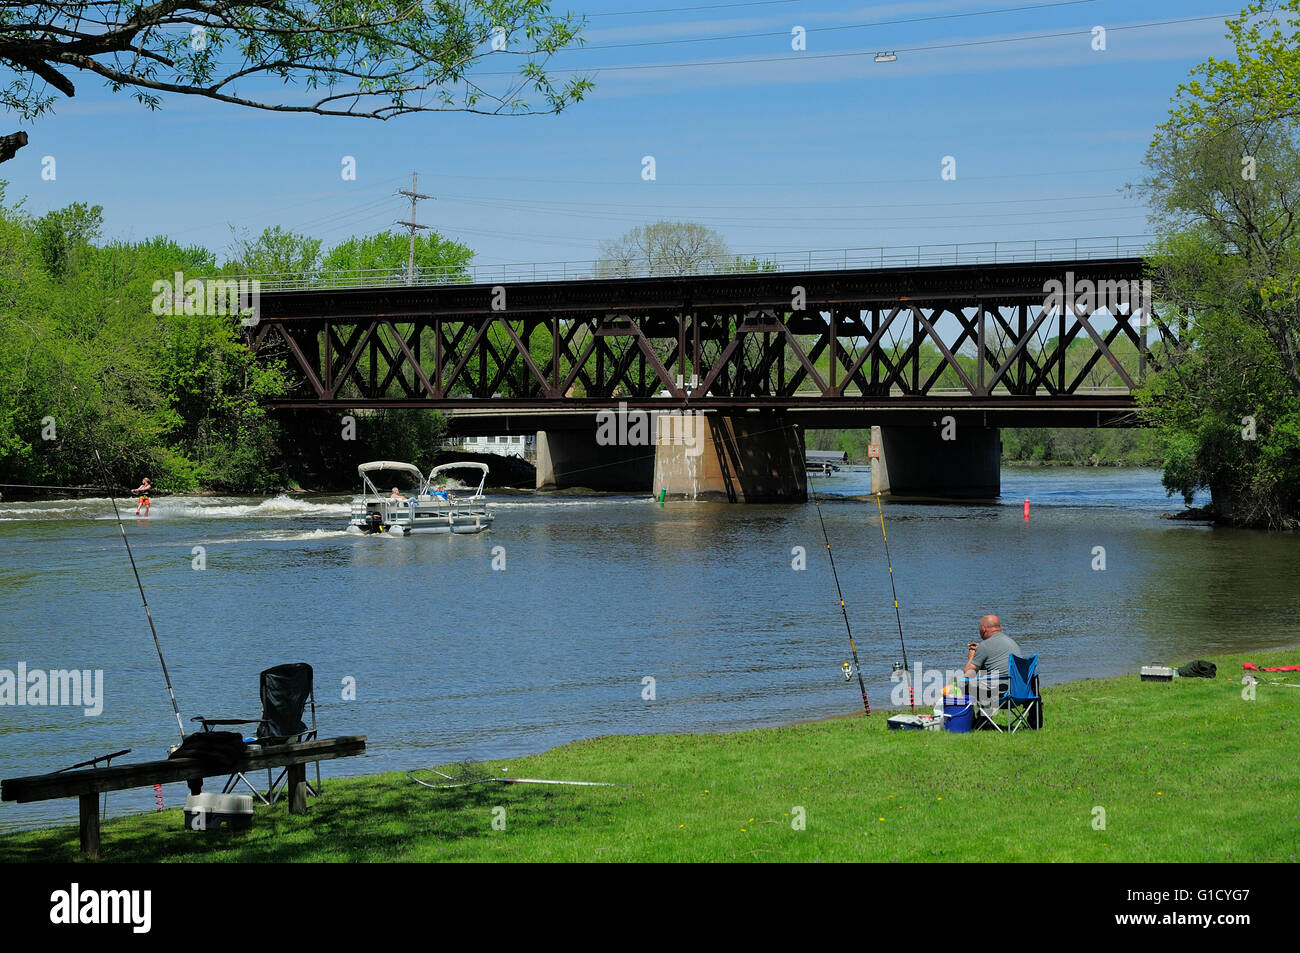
x: 1185, y: 771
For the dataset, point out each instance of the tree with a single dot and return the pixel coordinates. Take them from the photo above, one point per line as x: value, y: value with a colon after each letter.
x: 367, y: 58
x: 1224, y: 189
x: 435, y: 256
x: 275, y: 252
x: 665, y: 248
x: 63, y: 233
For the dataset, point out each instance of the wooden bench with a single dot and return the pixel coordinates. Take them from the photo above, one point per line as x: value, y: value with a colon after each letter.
x: 89, y: 783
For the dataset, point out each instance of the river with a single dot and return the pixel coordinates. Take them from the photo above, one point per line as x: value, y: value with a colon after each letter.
x: 453, y: 660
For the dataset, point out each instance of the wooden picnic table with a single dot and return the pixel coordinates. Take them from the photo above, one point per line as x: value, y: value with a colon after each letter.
x: 88, y: 783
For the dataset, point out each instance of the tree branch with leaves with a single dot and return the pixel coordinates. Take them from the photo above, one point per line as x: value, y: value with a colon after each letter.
x: 364, y: 58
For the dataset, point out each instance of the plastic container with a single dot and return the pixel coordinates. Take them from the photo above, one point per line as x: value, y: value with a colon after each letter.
x: 218, y: 812
x: 958, y: 713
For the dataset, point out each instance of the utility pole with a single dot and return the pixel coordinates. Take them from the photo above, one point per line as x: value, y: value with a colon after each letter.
x: 413, y: 225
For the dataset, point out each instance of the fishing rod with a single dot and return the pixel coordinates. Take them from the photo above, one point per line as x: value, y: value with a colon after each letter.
x: 897, y: 616
x: 853, y: 649
x: 491, y: 780
x: 108, y: 488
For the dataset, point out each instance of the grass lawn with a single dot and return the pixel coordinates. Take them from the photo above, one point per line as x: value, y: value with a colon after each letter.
x: 1184, y: 771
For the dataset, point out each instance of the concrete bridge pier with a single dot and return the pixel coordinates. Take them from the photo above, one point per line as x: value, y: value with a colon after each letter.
x: 573, y: 458
x: 919, y: 462
x: 742, y: 458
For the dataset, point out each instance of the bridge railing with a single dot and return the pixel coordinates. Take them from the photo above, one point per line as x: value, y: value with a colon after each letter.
x: 883, y: 256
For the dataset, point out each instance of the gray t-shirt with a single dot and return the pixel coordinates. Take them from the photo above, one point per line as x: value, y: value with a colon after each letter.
x: 993, y: 654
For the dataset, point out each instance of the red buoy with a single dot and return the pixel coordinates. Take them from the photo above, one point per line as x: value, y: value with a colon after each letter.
x: 1026, y: 509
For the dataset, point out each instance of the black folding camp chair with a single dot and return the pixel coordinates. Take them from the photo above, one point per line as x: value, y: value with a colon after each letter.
x: 286, y: 691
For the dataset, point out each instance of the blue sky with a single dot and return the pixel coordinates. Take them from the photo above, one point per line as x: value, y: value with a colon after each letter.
x: 776, y: 149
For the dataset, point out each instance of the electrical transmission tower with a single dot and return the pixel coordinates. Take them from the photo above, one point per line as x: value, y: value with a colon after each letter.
x: 412, y: 225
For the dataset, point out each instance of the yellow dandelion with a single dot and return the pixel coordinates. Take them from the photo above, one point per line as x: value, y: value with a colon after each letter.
x: 880, y: 818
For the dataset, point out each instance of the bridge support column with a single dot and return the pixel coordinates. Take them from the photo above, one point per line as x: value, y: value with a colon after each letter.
x: 572, y: 458
x: 747, y: 458
x: 917, y: 461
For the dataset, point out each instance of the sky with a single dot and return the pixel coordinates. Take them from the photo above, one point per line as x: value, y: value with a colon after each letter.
x: 780, y: 150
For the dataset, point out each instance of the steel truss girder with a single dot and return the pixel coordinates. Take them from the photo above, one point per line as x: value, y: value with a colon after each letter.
x: 695, y: 348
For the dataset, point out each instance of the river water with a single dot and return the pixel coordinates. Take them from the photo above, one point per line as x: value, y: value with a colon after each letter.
x: 453, y: 660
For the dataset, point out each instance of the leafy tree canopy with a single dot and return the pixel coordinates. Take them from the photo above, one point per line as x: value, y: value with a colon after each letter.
x: 370, y: 58
x: 1224, y: 190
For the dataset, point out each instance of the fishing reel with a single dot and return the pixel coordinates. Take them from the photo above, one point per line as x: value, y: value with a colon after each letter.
x: 848, y: 671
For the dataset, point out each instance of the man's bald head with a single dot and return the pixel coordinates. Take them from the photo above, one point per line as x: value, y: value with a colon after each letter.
x: 989, y: 625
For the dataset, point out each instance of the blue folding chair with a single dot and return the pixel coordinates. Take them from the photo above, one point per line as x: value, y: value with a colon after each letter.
x: 1021, y: 704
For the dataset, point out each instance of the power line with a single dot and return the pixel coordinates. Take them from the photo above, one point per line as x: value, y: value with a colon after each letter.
x: 709, y: 6
x: 784, y: 186
x: 542, y: 205
x: 803, y: 57
x: 831, y: 29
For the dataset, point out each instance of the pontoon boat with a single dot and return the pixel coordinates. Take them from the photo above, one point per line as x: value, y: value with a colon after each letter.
x: 426, y: 507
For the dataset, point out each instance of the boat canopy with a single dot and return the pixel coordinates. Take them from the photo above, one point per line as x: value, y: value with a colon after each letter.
x: 390, y: 465
x: 465, y: 465
x: 424, y: 484
x: 459, y: 466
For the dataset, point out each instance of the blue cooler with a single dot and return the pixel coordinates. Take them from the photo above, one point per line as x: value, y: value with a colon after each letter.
x: 958, y: 713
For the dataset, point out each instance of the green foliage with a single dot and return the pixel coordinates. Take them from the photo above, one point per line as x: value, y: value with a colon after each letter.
x: 389, y: 252
x: 275, y: 252
x: 1224, y: 184
x: 63, y: 233
x: 1080, y: 447
x: 362, y: 58
x: 322, y: 459
x: 176, y: 397
x: 86, y: 365
x: 1076, y: 447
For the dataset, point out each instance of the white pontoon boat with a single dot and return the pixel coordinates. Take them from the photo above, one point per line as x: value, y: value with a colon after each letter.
x: 426, y: 507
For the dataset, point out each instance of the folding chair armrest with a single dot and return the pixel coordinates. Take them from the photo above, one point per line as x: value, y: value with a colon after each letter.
x: 206, y: 722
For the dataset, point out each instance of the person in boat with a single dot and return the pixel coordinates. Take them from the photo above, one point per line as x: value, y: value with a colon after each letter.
x: 396, y: 494
x: 992, y: 654
x: 440, y: 493
x: 143, y: 492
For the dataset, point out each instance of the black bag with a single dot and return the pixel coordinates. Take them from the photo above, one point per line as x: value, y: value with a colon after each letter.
x: 218, y: 751
x: 1199, y: 669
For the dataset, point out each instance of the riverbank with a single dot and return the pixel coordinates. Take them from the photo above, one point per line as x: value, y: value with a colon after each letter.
x: 1123, y: 770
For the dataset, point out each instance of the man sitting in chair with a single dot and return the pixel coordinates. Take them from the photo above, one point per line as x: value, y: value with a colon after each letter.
x: 992, y: 654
